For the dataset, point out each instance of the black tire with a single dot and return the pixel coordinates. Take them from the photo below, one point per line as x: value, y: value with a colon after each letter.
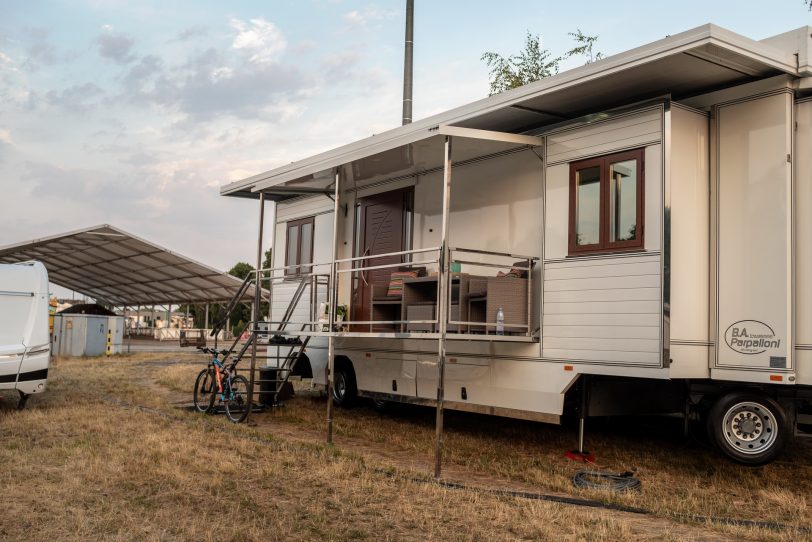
x: 345, y: 390
x: 237, y: 406
x: 204, y: 391
x: 748, y: 427
x: 380, y: 405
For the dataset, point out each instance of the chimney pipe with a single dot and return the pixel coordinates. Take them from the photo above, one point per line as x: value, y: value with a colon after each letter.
x: 407, y: 63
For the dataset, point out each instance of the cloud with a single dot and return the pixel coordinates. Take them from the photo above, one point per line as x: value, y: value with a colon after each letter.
x: 115, y: 47
x: 260, y: 39
x: 6, y: 62
x: 38, y: 49
x: 143, y: 73
x: 79, y: 98
x: 339, y: 66
x: 193, y: 32
x: 214, y: 83
x: 359, y: 20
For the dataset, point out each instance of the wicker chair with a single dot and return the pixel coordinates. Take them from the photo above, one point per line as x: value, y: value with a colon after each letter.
x: 487, y: 294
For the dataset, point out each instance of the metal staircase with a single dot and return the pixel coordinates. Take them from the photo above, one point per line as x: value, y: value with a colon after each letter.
x: 270, y: 380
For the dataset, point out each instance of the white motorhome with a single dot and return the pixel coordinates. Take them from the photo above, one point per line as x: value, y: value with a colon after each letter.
x: 25, y: 345
x: 630, y: 236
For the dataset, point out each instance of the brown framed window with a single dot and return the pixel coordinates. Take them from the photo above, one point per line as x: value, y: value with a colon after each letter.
x: 606, y: 203
x: 299, y: 246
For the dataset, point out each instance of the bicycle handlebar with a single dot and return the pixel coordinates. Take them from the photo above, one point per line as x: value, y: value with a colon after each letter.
x: 207, y: 350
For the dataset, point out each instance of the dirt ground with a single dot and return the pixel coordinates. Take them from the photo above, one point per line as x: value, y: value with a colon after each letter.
x: 112, y: 451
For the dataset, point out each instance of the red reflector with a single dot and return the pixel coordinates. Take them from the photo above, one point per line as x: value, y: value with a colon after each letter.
x: 776, y: 378
x: 568, y: 367
x: 367, y: 354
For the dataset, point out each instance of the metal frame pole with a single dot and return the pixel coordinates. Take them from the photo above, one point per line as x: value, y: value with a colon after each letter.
x: 271, y: 273
x: 442, y: 308
x: 407, y: 63
x: 332, y: 300
x: 255, y: 310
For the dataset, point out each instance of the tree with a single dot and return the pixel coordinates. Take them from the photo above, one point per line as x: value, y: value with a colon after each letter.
x: 241, y: 313
x: 534, y: 62
x: 241, y: 270
x: 585, y: 46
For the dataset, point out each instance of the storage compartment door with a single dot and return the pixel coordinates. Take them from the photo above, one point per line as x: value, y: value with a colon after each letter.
x: 754, y: 229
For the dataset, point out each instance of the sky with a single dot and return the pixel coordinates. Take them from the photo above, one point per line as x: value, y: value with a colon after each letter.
x: 135, y: 113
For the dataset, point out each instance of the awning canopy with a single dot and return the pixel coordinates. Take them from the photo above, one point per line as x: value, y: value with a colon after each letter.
x: 693, y: 62
x: 113, y: 266
x: 419, y: 153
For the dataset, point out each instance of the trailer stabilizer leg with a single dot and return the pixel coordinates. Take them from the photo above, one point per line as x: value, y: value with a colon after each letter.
x: 23, y: 400
x: 580, y: 454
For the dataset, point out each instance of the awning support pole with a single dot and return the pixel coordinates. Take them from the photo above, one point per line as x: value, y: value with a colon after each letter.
x: 206, y: 318
x: 123, y: 331
x: 271, y: 273
x: 255, y: 310
x: 442, y: 307
x: 332, y: 300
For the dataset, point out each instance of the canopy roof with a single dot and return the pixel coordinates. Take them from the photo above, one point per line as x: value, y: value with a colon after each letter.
x: 111, y: 265
x: 693, y: 62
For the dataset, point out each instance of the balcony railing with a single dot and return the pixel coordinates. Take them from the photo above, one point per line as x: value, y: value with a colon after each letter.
x: 477, y: 286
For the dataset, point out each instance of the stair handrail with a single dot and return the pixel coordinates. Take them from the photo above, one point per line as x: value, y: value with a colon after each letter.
x: 232, y: 304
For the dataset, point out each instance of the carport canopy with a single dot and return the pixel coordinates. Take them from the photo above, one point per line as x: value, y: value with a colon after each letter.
x: 115, y: 267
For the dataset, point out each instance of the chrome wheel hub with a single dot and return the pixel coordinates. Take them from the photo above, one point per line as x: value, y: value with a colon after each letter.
x: 749, y: 427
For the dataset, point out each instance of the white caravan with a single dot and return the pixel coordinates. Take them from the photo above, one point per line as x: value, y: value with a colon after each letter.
x: 25, y: 346
x: 629, y: 236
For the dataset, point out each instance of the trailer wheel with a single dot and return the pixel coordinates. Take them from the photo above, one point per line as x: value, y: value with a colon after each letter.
x: 345, y: 389
x: 748, y: 427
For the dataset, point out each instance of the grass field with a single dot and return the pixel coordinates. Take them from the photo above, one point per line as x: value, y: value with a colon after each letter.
x: 108, y: 452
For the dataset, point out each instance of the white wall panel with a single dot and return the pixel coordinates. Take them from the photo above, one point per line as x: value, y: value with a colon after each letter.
x: 609, y: 314
x: 754, y: 232
x: 803, y: 240
x: 690, y: 238
x: 634, y: 130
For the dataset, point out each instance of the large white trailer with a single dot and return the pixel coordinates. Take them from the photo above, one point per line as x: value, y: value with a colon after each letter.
x: 637, y: 228
x: 25, y: 349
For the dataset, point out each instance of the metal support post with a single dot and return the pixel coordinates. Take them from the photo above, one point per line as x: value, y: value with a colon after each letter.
x: 126, y: 329
x: 332, y: 300
x: 255, y: 311
x: 442, y: 308
x: 582, y: 413
x: 206, y: 319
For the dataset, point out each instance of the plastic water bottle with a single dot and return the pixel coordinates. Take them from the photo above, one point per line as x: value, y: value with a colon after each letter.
x: 500, y: 322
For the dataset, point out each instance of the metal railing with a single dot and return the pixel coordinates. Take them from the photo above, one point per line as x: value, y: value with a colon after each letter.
x: 315, y: 284
x: 462, y: 267
x: 527, y: 269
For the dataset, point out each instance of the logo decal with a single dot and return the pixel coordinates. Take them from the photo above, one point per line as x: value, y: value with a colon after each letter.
x: 751, y: 337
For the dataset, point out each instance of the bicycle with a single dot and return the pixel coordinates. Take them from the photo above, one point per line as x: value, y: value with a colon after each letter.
x: 221, y: 383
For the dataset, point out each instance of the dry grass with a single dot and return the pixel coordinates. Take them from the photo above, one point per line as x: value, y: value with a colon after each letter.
x: 78, y: 464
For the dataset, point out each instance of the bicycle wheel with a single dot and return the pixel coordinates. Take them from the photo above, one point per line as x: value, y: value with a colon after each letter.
x: 204, y: 391
x: 237, y: 405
